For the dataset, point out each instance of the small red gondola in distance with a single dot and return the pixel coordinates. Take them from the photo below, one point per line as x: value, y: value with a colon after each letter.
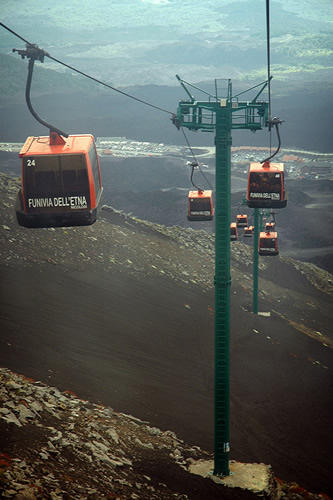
x: 61, y: 182
x: 270, y: 226
x: 242, y: 220
x: 268, y: 243
x: 200, y: 205
x: 233, y: 231
x: 266, y: 186
x: 248, y: 231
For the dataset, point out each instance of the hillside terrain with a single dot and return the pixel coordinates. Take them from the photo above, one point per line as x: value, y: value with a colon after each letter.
x: 140, y: 53
x: 121, y: 313
x: 78, y: 110
x: 155, y: 189
x: 148, y: 42
x: 111, y: 326
x: 77, y: 449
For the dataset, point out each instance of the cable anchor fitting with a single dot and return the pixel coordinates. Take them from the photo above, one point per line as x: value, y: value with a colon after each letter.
x: 274, y: 122
x: 175, y: 121
x: 32, y: 51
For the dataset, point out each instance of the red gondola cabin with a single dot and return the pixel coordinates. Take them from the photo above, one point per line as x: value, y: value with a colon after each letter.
x: 61, y: 182
x: 270, y: 226
x: 268, y: 243
x: 248, y: 231
x: 242, y: 220
x: 266, y: 186
x: 233, y: 231
x: 200, y: 205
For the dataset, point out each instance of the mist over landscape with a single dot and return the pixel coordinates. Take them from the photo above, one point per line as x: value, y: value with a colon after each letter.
x: 142, y: 46
x: 122, y: 312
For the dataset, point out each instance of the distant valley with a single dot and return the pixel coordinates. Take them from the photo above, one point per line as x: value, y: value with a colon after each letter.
x: 139, y: 47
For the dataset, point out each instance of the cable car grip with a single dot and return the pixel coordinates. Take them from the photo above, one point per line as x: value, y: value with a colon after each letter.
x: 32, y: 51
x: 175, y: 121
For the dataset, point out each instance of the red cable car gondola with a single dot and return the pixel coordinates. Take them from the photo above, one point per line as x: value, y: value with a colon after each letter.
x: 61, y: 182
x: 270, y: 226
x: 248, y: 231
x: 200, y: 205
x: 61, y: 178
x: 233, y: 231
x: 266, y: 186
x: 242, y: 220
x: 268, y: 243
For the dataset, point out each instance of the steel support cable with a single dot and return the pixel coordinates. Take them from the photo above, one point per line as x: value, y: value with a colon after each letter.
x: 44, y: 53
x: 112, y: 88
x: 86, y: 75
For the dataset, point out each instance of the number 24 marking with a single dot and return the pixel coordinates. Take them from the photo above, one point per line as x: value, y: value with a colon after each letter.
x: 31, y: 163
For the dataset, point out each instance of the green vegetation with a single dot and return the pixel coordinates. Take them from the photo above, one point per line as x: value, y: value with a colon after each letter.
x: 283, y: 73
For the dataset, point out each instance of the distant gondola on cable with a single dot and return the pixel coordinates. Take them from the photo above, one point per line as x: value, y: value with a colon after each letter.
x: 270, y: 226
x: 233, y: 231
x: 61, y: 178
x: 268, y: 243
x: 200, y: 205
x: 266, y: 186
x: 200, y: 202
x: 61, y: 182
x: 242, y: 220
x: 248, y: 231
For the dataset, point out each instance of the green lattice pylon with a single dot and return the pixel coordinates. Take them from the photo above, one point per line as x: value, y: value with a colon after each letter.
x: 222, y: 115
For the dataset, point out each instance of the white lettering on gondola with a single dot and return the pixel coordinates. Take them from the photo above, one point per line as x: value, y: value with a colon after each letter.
x: 74, y: 202
x: 40, y: 202
x: 200, y: 212
x: 270, y: 196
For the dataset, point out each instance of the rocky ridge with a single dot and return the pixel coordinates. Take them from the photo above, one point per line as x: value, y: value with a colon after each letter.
x: 56, y: 446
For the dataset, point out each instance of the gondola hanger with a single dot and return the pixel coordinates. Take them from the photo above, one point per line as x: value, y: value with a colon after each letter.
x: 200, y: 201
x: 34, y: 53
x: 270, y: 225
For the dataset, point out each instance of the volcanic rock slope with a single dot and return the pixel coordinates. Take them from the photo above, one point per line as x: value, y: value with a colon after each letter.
x: 121, y: 313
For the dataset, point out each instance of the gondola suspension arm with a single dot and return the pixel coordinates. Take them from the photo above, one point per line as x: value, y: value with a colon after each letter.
x: 34, y: 53
x: 273, y: 122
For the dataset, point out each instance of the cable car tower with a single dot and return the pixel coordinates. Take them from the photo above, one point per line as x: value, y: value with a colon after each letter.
x: 222, y: 113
